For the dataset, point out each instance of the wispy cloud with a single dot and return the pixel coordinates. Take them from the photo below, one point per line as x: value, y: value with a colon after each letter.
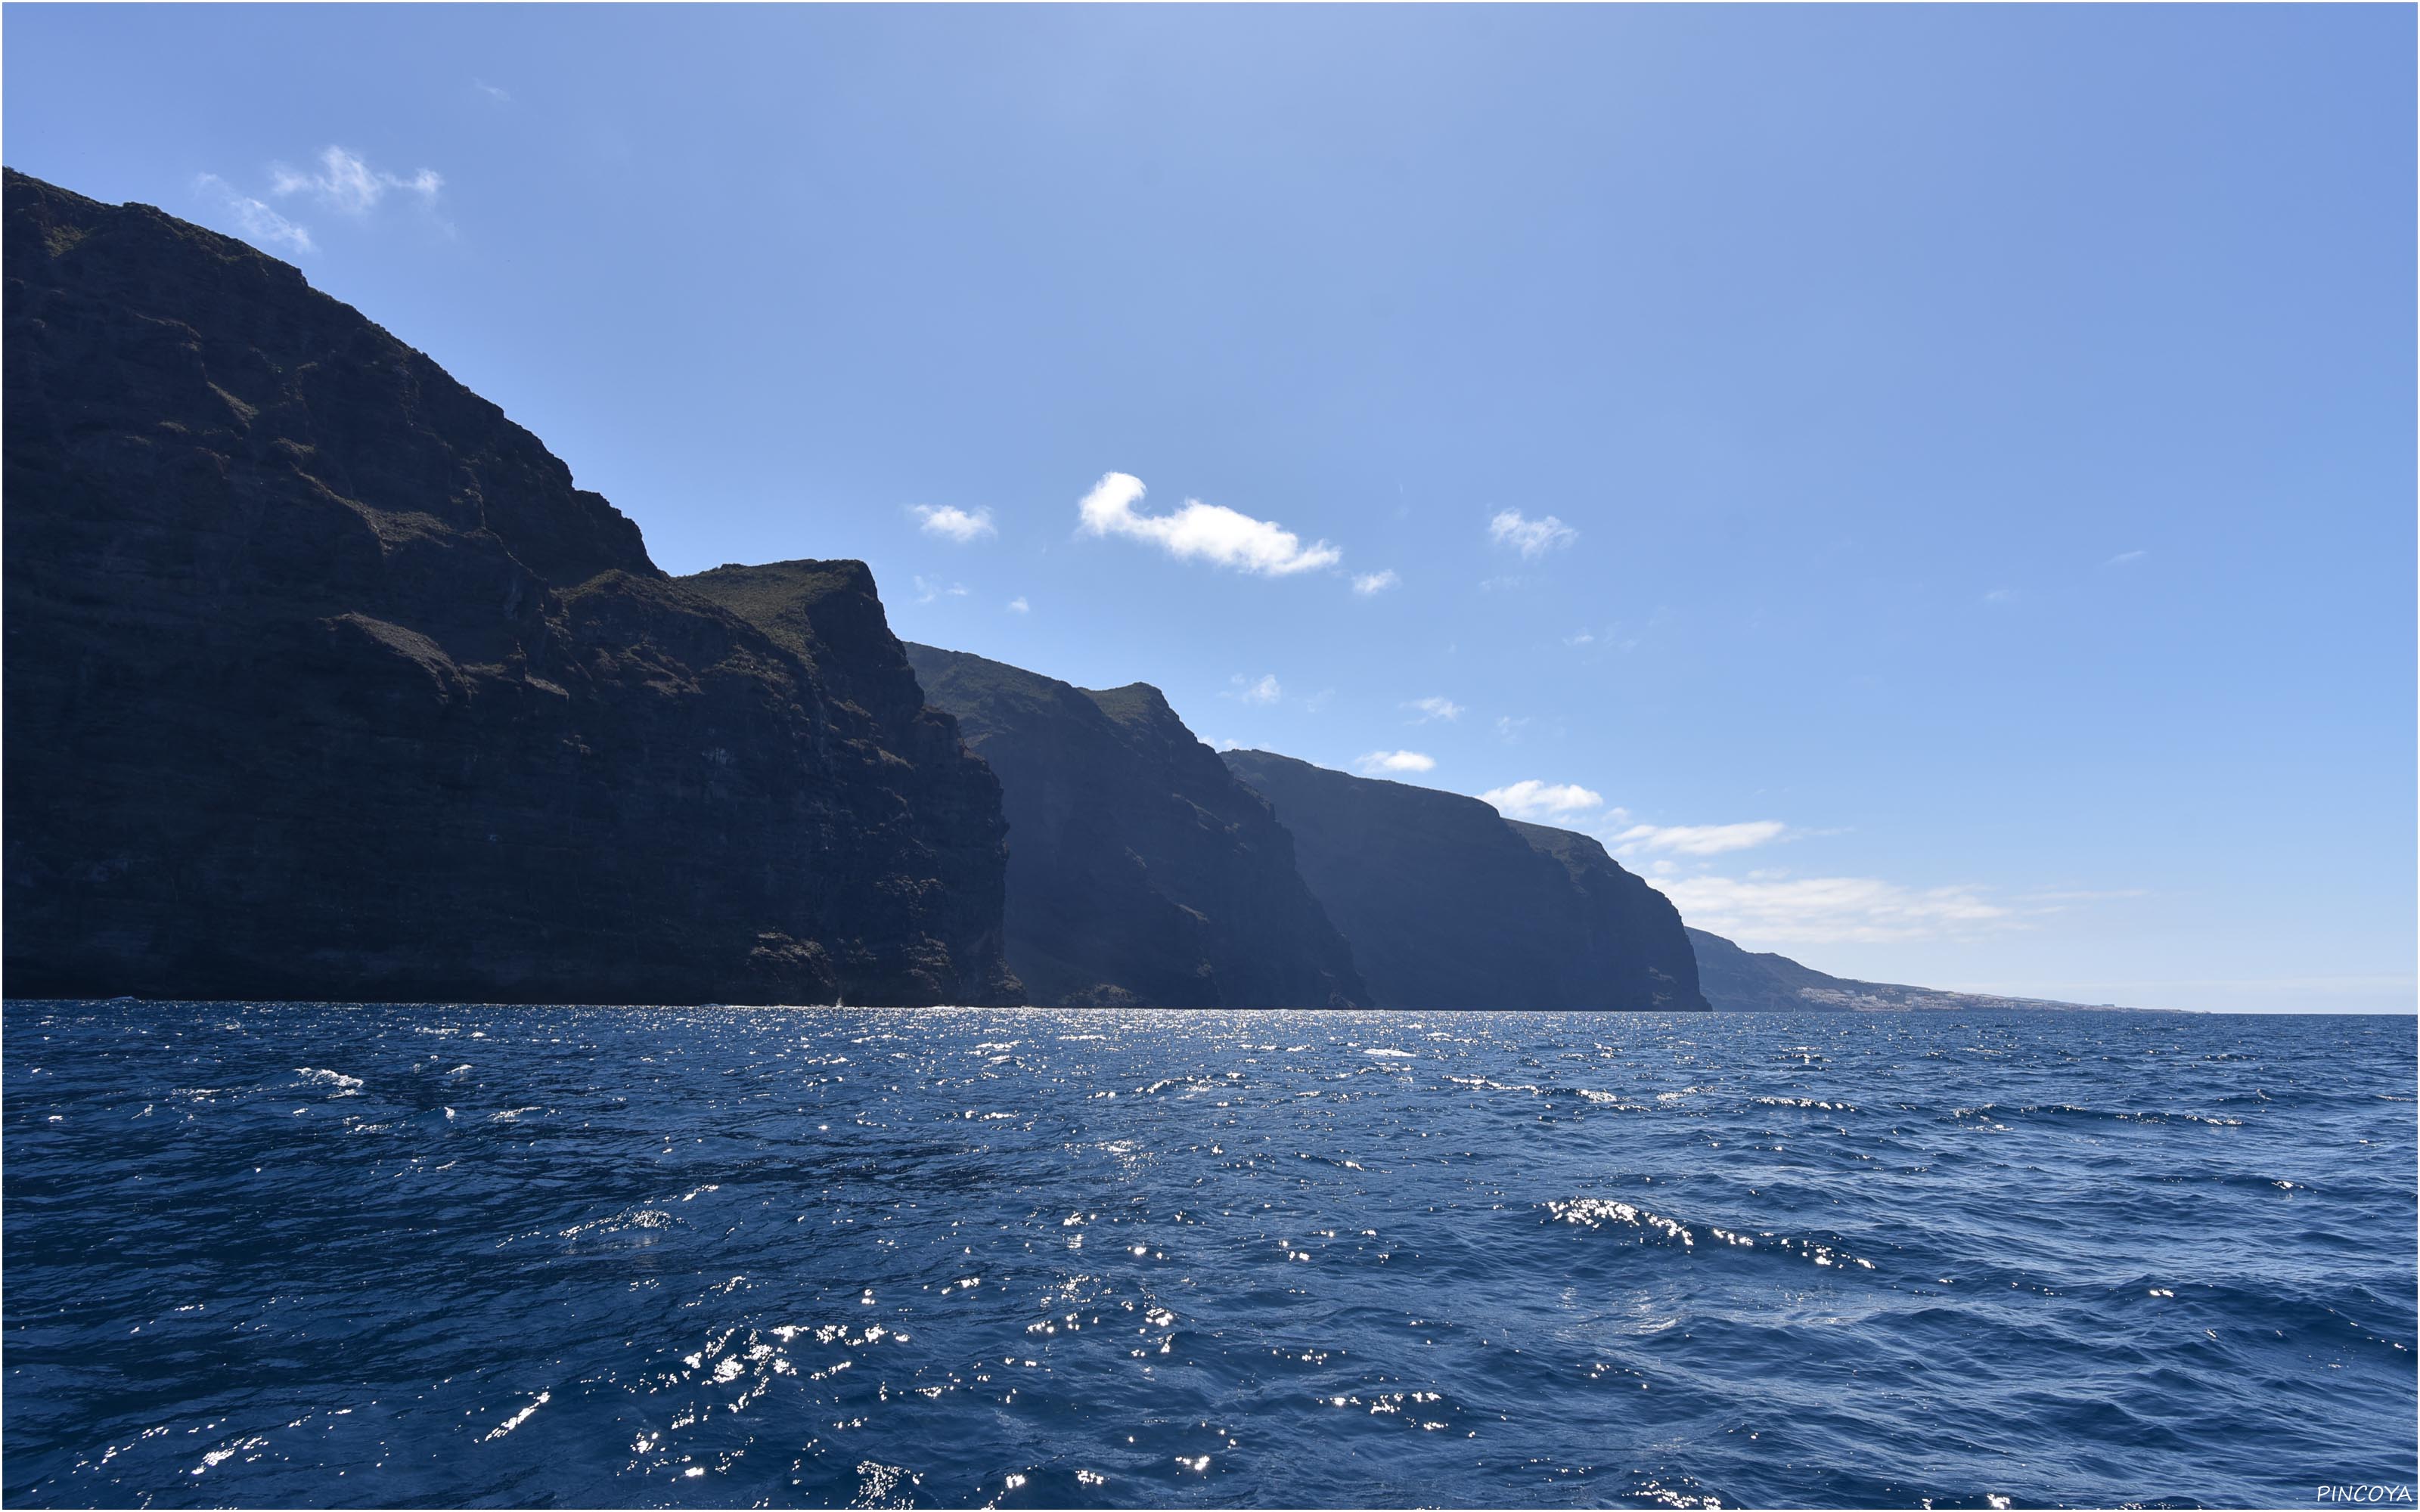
x: 1771, y: 908
x: 1394, y: 760
x: 1532, y: 538
x: 1019, y: 606
x: 929, y: 589
x: 1367, y: 583
x: 2001, y: 595
x: 951, y: 523
x: 1699, y: 839
x: 2054, y: 899
x: 1534, y: 800
x: 1435, y: 708
x: 1199, y: 532
x: 1262, y: 690
x: 491, y: 91
x: 1509, y: 729
x: 254, y: 221
x: 346, y: 182
x: 2125, y: 558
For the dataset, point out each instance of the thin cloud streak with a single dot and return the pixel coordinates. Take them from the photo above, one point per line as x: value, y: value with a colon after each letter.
x: 1699, y: 839
x: 1772, y: 909
x: 1534, y: 800
x: 346, y: 182
x: 256, y: 222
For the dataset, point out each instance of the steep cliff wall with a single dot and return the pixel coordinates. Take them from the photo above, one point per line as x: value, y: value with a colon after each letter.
x: 323, y: 681
x: 1447, y: 905
x: 1632, y: 945
x: 1140, y: 870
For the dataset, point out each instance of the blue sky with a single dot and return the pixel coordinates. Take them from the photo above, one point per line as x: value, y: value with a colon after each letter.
x: 1932, y: 487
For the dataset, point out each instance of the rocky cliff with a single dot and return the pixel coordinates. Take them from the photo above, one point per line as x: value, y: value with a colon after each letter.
x: 323, y: 681
x: 1449, y: 905
x: 1747, y: 981
x: 1625, y: 927
x: 1140, y: 870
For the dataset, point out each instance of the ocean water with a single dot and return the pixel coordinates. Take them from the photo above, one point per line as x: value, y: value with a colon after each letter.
x: 306, y: 1254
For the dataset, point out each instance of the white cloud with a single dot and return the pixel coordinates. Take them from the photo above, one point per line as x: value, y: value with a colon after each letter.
x: 1212, y: 533
x: 346, y: 182
x: 1264, y: 690
x: 1585, y: 638
x: 1532, y: 538
x: 254, y: 221
x: 1320, y: 700
x: 951, y: 523
x: 2001, y: 595
x: 491, y: 91
x: 1699, y: 839
x: 929, y: 589
x: 2125, y: 558
x: 1509, y: 729
x: 1436, y: 708
x: 1368, y: 583
x: 1534, y: 800
x: 1769, y: 908
x: 1394, y: 760
x: 1019, y: 606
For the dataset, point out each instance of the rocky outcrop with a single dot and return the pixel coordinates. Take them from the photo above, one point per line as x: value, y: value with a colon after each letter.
x: 1140, y: 870
x: 323, y: 681
x: 1738, y: 981
x: 1626, y: 928
x: 1449, y: 905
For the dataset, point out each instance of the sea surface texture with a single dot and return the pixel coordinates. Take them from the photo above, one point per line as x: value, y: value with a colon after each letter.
x: 304, y: 1254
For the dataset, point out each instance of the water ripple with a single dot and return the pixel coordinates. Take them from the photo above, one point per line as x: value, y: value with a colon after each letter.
x: 323, y: 1254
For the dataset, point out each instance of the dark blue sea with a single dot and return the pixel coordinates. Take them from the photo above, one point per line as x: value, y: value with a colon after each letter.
x: 325, y: 1254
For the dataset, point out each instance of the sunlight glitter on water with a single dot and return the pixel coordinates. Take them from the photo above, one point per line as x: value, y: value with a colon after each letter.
x: 819, y: 1256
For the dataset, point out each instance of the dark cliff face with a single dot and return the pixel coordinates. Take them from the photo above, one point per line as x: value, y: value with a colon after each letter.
x: 1631, y: 941
x: 323, y: 681
x: 1140, y: 870
x: 827, y: 615
x: 1449, y: 905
